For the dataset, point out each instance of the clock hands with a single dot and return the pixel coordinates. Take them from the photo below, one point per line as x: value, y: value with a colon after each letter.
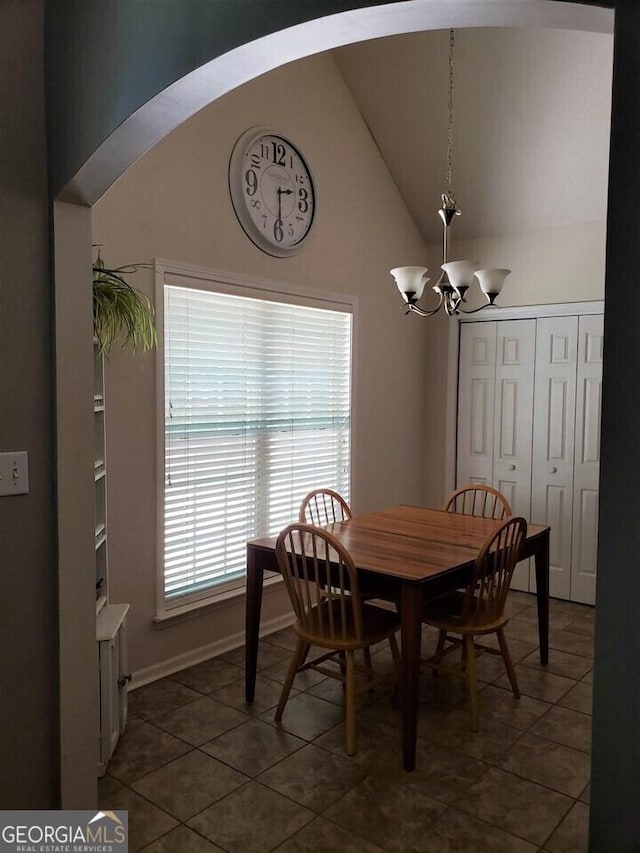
x: 277, y: 226
x: 282, y: 192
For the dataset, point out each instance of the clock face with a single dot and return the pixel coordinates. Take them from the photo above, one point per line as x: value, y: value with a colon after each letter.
x: 272, y: 191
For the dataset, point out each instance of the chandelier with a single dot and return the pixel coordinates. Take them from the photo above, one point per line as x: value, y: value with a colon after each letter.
x: 457, y: 276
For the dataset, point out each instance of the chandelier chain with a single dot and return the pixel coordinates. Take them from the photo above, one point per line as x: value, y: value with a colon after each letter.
x: 448, y: 197
x: 457, y: 276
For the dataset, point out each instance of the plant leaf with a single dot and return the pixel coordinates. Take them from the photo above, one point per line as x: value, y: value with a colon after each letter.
x: 121, y: 314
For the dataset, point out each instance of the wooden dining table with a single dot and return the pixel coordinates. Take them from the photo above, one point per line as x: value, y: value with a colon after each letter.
x: 406, y: 555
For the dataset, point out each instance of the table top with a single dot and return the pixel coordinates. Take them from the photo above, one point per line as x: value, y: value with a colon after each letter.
x: 412, y: 543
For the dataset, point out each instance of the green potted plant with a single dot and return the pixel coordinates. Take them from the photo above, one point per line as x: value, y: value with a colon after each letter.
x: 121, y: 314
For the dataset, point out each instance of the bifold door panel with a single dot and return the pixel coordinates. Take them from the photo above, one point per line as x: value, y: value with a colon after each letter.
x: 587, y: 459
x: 529, y: 395
x: 553, y: 442
x: 476, y: 403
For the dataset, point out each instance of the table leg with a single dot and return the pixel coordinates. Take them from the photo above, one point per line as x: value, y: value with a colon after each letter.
x: 253, y: 605
x: 541, y: 557
x: 411, y: 625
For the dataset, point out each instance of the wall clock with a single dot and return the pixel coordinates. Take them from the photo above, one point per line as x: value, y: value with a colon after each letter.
x: 272, y: 191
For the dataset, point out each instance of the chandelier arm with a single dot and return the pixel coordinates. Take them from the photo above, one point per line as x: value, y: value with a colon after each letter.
x: 416, y: 309
x: 481, y: 308
x: 452, y: 301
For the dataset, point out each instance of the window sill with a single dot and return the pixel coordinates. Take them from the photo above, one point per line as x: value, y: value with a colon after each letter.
x: 194, y: 609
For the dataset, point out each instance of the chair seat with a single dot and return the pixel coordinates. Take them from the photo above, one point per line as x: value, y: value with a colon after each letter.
x: 445, y: 613
x: 377, y: 625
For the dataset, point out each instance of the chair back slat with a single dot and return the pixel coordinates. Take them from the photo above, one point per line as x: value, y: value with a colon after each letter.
x: 322, y: 582
x: 323, y: 506
x: 479, y: 500
x: 486, y: 594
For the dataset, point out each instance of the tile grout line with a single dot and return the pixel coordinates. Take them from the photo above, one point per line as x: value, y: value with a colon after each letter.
x: 446, y: 708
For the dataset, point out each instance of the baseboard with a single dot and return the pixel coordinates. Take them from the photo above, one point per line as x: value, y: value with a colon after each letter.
x: 202, y: 653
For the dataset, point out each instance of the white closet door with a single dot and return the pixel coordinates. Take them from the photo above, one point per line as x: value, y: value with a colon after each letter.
x: 587, y: 459
x: 553, y: 443
x: 513, y: 423
x: 476, y: 383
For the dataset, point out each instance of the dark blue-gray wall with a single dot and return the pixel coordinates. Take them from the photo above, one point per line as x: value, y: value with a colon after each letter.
x: 28, y: 571
x: 106, y: 58
x: 615, y: 816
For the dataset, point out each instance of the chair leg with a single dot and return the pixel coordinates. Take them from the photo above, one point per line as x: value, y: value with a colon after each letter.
x: 366, y: 654
x: 299, y: 657
x: 342, y: 661
x: 350, y: 708
x: 395, y: 654
x: 470, y: 661
x: 508, y: 663
x: 442, y: 639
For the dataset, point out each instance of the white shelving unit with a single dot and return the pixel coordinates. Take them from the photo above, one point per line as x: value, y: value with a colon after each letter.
x: 111, y: 619
x: 100, y: 471
x: 111, y: 634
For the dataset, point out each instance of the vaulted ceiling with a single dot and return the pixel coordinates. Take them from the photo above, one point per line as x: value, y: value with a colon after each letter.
x: 531, y: 124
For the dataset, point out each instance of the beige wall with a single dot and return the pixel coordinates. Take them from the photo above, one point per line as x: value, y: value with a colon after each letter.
x: 174, y: 204
x: 530, y: 125
x: 562, y: 264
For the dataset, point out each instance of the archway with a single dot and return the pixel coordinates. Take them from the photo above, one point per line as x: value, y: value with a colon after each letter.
x: 209, y: 81
x: 117, y: 152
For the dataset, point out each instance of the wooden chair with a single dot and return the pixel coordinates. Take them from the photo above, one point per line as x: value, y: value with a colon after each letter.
x: 323, y: 506
x: 477, y: 499
x: 479, y: 610
x: 322, y: 582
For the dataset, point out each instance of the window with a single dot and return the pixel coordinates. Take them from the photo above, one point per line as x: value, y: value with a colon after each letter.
x: 257, y: 413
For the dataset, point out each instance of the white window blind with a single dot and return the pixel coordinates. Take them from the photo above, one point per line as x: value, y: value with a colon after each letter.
x: 257, y: 413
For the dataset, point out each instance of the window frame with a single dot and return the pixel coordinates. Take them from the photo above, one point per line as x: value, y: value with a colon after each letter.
x: 221, y: 281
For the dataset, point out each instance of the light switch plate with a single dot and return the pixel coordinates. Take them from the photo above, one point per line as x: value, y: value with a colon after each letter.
x: 14, y: 473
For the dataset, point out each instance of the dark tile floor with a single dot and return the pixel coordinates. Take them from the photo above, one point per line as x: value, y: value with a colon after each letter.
x: 200, y: 771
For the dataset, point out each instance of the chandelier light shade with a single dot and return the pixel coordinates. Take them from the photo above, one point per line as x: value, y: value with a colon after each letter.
x: 491, y: 282
x: 411, y: 282
x: 457, y: 276
x: 460, y: 275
